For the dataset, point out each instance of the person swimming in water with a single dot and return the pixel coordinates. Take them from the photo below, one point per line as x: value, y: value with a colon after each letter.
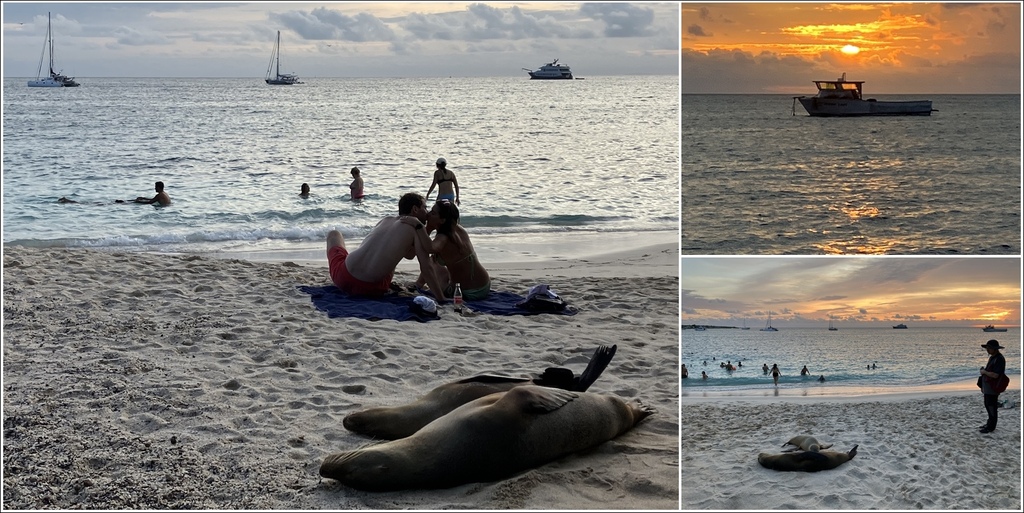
x: 161, y: 197
x: 804, y: 371
x: 304, y: 191
x: 356, y: 187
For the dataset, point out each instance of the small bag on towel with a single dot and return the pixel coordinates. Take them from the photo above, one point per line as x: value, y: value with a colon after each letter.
x: 541, y: 298
x: 425, y: 307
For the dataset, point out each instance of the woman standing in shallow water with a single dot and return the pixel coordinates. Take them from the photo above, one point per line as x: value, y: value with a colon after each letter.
x: 446, y: 183
x: 356, y: 187
x: 995, y: 368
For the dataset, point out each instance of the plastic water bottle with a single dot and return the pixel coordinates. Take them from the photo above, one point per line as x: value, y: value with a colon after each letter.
x: 457, y: 298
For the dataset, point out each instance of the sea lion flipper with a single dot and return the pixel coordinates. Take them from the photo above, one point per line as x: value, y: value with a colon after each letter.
x: 825, y: 446
x: 491, y: 379
x: 560, y: 377
x: 598, y: 362
x: 556, y: 377
x: 536, y: 399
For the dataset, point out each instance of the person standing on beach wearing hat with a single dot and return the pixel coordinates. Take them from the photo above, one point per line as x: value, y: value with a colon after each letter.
x: 446, y: 183
x: 995, y: 368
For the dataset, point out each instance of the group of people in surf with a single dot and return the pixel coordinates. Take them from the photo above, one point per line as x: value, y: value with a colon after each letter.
x: 729, y: 367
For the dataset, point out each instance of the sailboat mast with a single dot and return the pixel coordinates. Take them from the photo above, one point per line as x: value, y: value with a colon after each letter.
x: 49, y: 37
x: 277, y: 52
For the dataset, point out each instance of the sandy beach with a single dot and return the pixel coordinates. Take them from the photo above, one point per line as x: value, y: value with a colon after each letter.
x: 144, y: 381
x: 919, y: 450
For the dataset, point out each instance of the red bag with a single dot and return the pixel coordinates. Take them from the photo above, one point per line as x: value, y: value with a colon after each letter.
x: 999, y: 384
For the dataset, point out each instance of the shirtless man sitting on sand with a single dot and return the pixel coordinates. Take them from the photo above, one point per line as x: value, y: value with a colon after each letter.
x: 368, y: 269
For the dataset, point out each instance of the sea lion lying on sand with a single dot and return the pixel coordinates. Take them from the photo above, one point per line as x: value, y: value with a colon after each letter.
x: 805, y: 442
x: 806, y: 461
x: 488, y: 439
x: 392, y: 423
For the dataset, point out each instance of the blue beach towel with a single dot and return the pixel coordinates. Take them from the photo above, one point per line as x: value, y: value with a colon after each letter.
x: 338, y: 304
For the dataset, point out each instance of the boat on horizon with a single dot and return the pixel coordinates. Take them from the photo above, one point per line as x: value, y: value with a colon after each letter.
x: 278, y: 78
x: 841, y: 97
x: 768, y: 325
x: 745, y: 327
x: 900, y: 326
x: 551, y: 71
x: 699, y: 328
x: 830, y: 326
x: 54, y: 79
x: 992, y: 329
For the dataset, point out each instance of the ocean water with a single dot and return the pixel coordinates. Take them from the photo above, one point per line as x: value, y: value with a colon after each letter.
x: 758, y: 180
x: 904, y: 358
x: 531, y: 157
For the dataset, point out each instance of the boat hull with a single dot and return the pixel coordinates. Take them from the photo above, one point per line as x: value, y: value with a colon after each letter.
x: 994, y: 330
x: 828, y: 107
x: 46, y: 82
x: 547, y: 77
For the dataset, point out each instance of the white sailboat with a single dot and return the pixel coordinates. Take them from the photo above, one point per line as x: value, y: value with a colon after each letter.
x: 274, y: 75
x: 768, y: 325
x: 54, y: 79
x: 745, y: 327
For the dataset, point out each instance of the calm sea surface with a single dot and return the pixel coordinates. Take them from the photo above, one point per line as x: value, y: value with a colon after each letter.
x: 910, y: 357
x: 536, y: 157
x: 758, y: 180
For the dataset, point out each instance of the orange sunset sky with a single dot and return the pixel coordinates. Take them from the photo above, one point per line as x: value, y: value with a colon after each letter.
x: 855, y: 291
x: 896, y: 48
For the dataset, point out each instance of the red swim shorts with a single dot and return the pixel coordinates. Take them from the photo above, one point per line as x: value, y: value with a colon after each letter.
x: 350, y: 284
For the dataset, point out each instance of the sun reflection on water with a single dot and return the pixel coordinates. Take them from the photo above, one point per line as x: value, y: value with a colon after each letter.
x: 857, y: 247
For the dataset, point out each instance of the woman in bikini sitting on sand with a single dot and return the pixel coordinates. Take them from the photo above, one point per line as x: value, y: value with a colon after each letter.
x: 454, y: 255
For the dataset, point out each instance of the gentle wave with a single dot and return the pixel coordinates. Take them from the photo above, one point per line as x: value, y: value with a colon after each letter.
x: 232, y: 157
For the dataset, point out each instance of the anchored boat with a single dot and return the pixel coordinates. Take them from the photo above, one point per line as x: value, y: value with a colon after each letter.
x: 54, y: 79
x: 274, y: 75
x: 551, y: 71
x: 841, y: 97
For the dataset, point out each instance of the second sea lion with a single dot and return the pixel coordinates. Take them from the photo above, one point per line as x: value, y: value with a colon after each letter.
x: 805, y: 442
x: 392, y: 423
x: 806, y: 461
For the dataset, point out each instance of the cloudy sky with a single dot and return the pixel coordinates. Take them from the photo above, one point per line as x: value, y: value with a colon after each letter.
x: 856, y: 291
x: 895, y: 48
x: 381, y: 39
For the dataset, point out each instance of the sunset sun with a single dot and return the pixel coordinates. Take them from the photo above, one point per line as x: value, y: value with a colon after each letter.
x: 850, y: 50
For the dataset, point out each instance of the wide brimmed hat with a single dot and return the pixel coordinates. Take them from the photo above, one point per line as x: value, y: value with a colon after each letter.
x: 992, y: 344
